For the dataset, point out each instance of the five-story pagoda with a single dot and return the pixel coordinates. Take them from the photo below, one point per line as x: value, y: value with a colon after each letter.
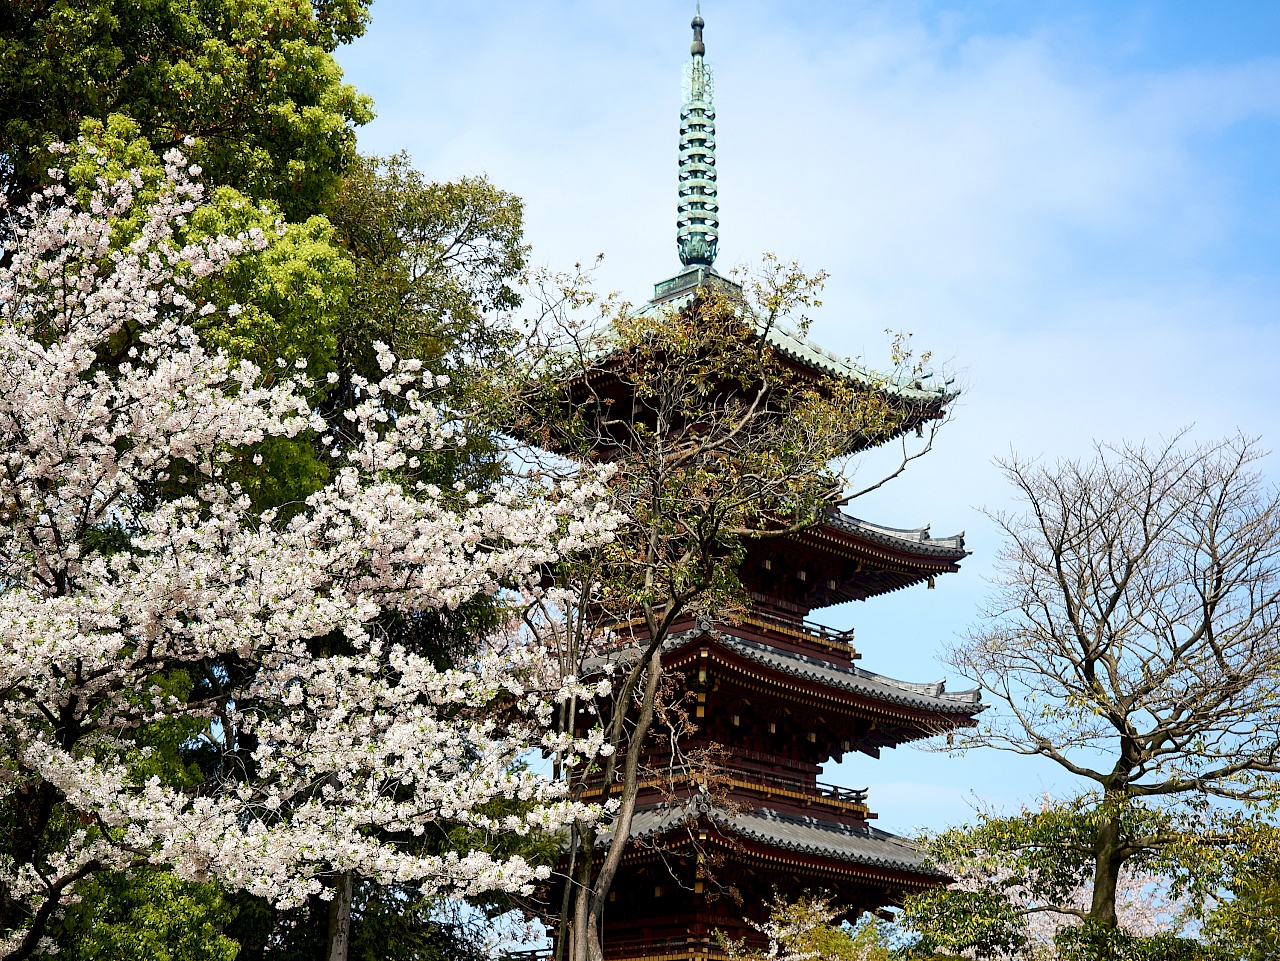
x: 770, y: 695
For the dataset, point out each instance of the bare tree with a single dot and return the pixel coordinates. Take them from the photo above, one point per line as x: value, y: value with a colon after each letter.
x: 1133, y: 639
x: 717, y: 438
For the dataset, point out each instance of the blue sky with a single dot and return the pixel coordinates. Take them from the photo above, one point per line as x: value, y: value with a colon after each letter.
x: 1075, y: 206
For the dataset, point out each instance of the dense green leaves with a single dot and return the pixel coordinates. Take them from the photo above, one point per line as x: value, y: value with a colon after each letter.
x: 982, y: 922
x: 149, y: 915
x: 1099, y: 942
x: 436, y: 265
x: 1200, y: 885
x: 253, y: 81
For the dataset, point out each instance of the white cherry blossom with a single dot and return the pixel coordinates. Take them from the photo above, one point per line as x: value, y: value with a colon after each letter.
x: 108, y: 584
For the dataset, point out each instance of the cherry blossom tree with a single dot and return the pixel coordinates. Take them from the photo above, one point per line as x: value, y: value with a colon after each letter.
x: 139, y: 587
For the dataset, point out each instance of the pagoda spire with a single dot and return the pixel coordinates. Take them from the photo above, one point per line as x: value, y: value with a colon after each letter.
x: 698, y: 214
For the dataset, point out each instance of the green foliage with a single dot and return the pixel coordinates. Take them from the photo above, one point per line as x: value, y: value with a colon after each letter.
x: 292, y: 296
x: 164, y: 748
x: 1092, y: 941
x: 290, y: 299
x: 284, y: 303
x: 147, y: 915
x: 806, y: 929
x: 1245, y: 924
x: 253, y: 81
x: 1023, y: 881
x: 862, y: 942
x: 435, y: 264
x: 982, y: 922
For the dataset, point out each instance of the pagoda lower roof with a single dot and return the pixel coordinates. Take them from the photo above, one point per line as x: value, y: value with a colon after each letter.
x: 930, y: 697
x: 887, y: 558
x: 864, y: 846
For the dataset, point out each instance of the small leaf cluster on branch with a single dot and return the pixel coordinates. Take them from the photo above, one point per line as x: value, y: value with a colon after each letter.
x: 139, y: 588
x: 808, y: 929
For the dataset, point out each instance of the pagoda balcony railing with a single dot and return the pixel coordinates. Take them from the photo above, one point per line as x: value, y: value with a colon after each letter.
x: 853, y: 800
x: 664, y: 949
x: 647, y: 948
x: 798, y: 627
x: 821, y: 789
x: 802, y: 629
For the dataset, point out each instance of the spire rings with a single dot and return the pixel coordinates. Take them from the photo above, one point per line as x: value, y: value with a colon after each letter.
x: 697, y: 212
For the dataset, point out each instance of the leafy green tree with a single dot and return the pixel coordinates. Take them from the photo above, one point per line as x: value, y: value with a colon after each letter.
x: 1023, y: 883
x: 437, y: 265
x: 149, y: 916
x: 254, y: 82
x: 1203, y: 887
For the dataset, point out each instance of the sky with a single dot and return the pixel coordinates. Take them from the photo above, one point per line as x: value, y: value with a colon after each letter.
x: 1074, y: 206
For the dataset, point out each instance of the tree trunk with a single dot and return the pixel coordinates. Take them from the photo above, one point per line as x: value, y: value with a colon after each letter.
x: 1106, y: 873
x: 564, y: 926
x: 598, y: 894
x: 579, y: 942
x: 340, y: 918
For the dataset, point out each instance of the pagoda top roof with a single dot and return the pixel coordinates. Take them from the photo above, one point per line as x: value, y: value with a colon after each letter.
x: 807, y: 835
x: 679, y: 292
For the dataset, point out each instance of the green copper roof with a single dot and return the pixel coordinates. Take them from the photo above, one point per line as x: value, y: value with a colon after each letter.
x: 698, y: 214
x: 678, y: 292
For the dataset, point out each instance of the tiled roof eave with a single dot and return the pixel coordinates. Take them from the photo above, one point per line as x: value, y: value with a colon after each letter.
x: 864, y: 847
x: 914, y: 544
x: 855, y: 681
x: 897, y: 561
x: 808, y: 354
x: 883, y: 692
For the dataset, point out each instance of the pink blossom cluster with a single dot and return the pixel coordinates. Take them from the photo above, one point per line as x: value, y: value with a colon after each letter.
x: 127, y: 552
